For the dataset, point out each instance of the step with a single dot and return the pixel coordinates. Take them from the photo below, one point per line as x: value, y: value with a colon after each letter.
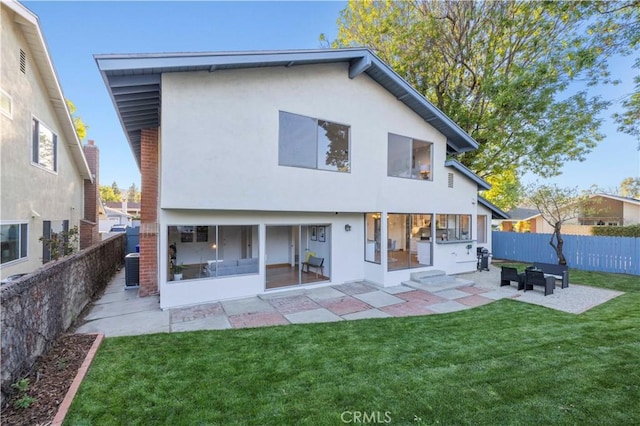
x: 434, y: 287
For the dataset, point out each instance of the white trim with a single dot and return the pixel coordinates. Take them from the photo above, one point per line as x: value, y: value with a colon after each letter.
x: 57, y: 140
x: 26, y: 241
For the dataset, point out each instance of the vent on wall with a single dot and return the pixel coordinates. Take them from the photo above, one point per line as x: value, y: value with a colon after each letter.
x: 23, y: 62
x: 450, y: 180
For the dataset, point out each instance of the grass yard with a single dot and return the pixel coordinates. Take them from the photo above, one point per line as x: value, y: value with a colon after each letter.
x: 503, y: 363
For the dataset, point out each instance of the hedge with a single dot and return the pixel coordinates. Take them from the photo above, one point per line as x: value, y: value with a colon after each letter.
x: 616, y: 231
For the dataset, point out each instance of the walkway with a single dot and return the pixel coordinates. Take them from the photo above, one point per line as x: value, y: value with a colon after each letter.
x: 121, y: 312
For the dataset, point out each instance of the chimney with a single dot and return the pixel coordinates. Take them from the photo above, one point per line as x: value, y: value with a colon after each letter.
x: 89, y: 226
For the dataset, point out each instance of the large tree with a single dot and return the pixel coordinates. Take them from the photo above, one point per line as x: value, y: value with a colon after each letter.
x: 107, y: 194
x: 78, y: 123
x: 500, y: 69
x: 133, y: 193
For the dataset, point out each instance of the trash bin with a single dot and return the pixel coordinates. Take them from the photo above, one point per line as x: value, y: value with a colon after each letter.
x: 483, y: 259
x: 132, y: 270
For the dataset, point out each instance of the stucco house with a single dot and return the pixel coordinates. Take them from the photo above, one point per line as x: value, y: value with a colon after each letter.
x: 47, y: 183
x: 601, y: 210
x: 290, y: 169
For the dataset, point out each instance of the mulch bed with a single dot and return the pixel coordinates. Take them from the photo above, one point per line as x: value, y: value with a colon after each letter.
x: 49, y: 381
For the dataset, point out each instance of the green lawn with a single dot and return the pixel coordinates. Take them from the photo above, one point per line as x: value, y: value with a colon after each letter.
x: 503, y: 363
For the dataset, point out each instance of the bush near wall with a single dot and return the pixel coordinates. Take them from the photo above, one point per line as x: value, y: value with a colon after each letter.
x: 38, y: 308
x: 617, y: 231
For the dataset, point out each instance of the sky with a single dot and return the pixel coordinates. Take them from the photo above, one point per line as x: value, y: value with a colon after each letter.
x: 76, y: 30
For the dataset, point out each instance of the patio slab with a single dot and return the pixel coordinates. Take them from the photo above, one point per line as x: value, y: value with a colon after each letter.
x: 344, y: 305
x: 423, y: 297
x: 407, y: 309
x: 378, y: 299
x: 447, y: 307
x: 369, y: 313
x: 355, y: 288
x: 452, y: 294
x: 315, y: 315
x: 474, y: 300
x: 245, y: 306
x: 217, y: 322
x: 192, y: 313
x: 323, y: 293
x: 397, y: 289
x: 289, y: 305
x: 257, y: 319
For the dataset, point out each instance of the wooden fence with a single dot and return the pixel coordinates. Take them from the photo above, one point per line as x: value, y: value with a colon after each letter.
x: 588, y: 253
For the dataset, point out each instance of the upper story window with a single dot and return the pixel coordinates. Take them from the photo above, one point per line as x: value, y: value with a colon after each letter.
x: 44, y: 152
x: 314, y: 144
x: 409, y: 158
x: 13, y: 242
x: 6, y: 104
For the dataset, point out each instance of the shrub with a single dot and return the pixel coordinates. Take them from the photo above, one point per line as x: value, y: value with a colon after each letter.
x: 616, y: 231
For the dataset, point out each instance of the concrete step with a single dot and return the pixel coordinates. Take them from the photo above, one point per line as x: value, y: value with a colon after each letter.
x: 434, y: 281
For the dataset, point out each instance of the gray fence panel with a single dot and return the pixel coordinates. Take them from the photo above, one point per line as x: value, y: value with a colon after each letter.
x: 588, y: 253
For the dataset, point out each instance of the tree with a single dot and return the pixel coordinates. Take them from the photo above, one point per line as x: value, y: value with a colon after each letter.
x: 556, y: 206
x: 133, y: 194
x: 500, y: 70
x: 116, y: 190
x: 80, y: 126
x: 630, y: 187
x: 107, y: 194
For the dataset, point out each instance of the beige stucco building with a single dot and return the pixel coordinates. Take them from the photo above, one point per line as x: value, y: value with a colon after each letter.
x: 44, y: 171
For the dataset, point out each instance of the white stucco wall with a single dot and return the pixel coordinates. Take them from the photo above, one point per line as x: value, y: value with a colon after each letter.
x: 631, y: 214
x: 220, y: 142
x: 219, y: 166
x: 26, y: 187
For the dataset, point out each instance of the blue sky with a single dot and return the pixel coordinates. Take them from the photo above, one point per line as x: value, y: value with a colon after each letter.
x: 75, y: 31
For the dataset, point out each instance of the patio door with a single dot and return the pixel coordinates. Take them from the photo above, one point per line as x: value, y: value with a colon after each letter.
x: 287, y: 247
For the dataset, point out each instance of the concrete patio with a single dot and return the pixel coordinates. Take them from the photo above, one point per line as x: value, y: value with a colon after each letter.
x: 120, y: 312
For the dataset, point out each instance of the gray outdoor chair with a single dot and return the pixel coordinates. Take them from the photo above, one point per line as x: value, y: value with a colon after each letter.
x: 511, y: 274
x: 537, y: 278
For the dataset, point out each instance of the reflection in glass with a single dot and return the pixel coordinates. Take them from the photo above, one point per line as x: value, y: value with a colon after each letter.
x: 373, y: 234
x: 408, y: 158
x: 333, y: 146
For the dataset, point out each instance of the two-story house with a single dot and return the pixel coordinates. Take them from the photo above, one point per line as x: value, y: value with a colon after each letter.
x: 45, y: 176
x: 255, y: 164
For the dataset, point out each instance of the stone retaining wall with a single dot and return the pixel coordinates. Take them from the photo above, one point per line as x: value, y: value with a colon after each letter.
x: 38, y: 308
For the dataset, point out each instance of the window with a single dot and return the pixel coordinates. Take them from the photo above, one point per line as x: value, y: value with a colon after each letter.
x: 409, y: 158
x: 211, y: 251
x: 409, y: 241
x: 314, y: 144
x: 45, y: 146
x: 482, y: 229
x: 6, y: 104
x: 13, y: 242
x: 372, y: 234
x: 453, y: 227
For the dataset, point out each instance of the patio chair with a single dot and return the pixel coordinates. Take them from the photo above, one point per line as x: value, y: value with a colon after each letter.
x: 537, y: 278
x: 511, y: 274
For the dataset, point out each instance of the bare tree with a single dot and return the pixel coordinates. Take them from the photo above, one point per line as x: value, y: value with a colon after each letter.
x: 557, y: 206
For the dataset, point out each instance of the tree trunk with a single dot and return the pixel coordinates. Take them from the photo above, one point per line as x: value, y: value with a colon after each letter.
x: 560, y: 243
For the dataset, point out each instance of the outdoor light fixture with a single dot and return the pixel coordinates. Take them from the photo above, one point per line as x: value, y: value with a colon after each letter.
x: 347, y: 227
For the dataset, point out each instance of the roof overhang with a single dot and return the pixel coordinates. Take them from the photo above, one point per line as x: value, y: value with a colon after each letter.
x: 496, y: 212
x: 134, y: 84
x: 37, y: 45
x: 455, y: 164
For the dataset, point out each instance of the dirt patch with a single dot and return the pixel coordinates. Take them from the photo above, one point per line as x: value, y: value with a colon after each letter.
x: 48, y: 382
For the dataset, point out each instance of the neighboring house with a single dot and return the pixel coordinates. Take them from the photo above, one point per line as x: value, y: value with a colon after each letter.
x: 520, y: 220
x: 601, y: 210
x: 132, y: 209
x: 110, y: 217
x: 270, y: 170
x: 47, y: 184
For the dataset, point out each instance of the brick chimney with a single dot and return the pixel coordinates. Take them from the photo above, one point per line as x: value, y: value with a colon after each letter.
x: 89, y: 225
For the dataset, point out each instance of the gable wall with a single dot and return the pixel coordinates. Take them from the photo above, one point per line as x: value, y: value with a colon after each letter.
x: 25, y: 187
x: 220, y: 144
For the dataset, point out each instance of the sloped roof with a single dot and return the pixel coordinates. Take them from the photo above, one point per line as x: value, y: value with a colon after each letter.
x: 32, y: 32
x: 455, y: 164
x: 134, y: 83
x: 496, y: 212
x: 522, y: 213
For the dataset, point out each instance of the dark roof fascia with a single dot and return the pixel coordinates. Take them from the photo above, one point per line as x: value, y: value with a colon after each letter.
x: 127, y: 70
x: 455, y: 164
x: 497, y: 213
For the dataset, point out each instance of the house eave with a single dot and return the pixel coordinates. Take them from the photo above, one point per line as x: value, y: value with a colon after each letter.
x: 126, y: 74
